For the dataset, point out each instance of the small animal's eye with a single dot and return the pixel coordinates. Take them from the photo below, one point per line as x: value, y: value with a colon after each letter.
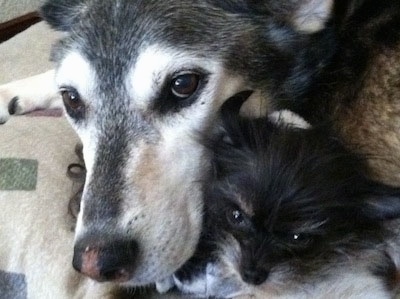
x: 301, y: 240
x: 296, y: 239
x: 73, y: 103
x: 183, y: 86
x: 237, y: 218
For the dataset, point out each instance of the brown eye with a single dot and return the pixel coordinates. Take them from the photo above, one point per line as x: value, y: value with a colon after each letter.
x: 183, y: 86
x: 73, y: 103
x: 71, y: 99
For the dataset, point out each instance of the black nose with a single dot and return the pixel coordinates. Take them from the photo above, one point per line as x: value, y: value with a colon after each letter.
x: 254, y: 276
x: 105, y: 261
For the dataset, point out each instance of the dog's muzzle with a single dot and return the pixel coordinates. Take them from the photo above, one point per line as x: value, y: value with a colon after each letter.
x: 105, y: 260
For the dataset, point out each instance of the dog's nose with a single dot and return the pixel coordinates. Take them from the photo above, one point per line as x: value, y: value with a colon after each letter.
x: 105, y: 261
x: 254, y: 276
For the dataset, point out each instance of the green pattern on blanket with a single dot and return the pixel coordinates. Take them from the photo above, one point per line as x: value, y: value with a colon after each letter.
x: 12, y: 286
x: 18, y: 174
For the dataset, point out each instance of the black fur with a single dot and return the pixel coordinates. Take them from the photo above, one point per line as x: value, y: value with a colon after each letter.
x: 307, y: 199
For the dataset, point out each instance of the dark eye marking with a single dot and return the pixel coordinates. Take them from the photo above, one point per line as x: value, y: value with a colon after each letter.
x: 73, y: 103
x: 180, y: 90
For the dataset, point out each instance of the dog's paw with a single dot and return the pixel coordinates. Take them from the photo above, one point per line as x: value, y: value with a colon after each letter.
x: 5, y: 102
x: 11, y: 104
x: 26, y: 95
x: 13, y: 107
x: 4, y: 116
x: 25, y: 103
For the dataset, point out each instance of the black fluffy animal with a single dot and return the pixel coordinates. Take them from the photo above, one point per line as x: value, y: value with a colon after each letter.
x: 292, y: 210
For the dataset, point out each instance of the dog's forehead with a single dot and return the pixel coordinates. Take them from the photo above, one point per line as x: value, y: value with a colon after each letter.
x: 108, y: 31
x: 113, y: 34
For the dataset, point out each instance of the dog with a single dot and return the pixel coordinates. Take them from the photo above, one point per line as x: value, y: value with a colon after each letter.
x: 290, y: 213
x: 140, y: 81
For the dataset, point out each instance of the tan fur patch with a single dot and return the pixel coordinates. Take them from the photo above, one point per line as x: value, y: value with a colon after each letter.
x: 371, y: 125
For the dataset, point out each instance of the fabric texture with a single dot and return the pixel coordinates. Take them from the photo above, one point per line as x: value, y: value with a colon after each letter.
x: 10, y: 9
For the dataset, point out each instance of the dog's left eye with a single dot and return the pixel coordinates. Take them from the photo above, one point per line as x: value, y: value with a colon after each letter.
x: 180, y: 91
x: 183, y: 86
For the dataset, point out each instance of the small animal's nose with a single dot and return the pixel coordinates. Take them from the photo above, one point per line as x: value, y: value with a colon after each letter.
x: 254, y: 276
x: 105, y: 261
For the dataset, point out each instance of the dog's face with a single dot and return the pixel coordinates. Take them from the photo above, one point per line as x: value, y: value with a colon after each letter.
x: 291, y: 206
x: 141, y: 80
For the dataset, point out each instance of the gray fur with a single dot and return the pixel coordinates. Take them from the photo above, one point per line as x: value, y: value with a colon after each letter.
x: 146, y: 165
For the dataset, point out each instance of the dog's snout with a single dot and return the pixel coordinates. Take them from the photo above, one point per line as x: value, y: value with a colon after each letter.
x: 106, y: 261
x: 254, y: 276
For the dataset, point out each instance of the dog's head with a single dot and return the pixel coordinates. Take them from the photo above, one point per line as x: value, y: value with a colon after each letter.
x: 290, y: 205
x: 140, y: 81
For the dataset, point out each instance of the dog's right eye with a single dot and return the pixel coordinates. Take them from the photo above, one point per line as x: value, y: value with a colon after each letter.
x: 73, y: 102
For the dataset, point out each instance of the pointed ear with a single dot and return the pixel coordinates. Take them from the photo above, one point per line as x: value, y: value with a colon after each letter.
x: 229, y: 113
x: 311, y: 15
x: 380, y: 207
x: 61, y: 15
x: 232, y: 105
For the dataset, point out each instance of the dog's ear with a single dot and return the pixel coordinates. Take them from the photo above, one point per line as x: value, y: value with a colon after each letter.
x: 229, y: 114
x: 311, y: 15
x: 62, y: 14
x: 383, y: 204
x: 307, y: 16
x: 232, y: 105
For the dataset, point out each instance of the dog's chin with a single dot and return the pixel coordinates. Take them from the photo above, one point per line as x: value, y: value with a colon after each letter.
x: 150, y: 271
x: 146, y: 276
x: 144, y: 279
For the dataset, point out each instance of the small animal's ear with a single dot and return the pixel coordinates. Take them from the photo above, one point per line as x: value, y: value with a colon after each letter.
x: 62, y: 14
x: 232, y: 105
x: 311, y: 15
x: 229, y: 113
x: 380, y: 207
